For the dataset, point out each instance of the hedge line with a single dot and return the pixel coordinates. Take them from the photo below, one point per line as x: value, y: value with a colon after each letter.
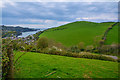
x: 80, y: 55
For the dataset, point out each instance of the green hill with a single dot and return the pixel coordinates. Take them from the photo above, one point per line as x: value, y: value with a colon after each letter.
x: 37, y: 65
x: 76, y: 32
x: 112, y: 36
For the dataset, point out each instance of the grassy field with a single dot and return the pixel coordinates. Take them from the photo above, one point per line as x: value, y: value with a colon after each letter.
x: 112, y: 36
x: 81, y: 31
x: 36, y: 65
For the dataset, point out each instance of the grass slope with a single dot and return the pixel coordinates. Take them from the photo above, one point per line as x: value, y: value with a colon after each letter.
x: 36, y: 65
x: 80, y: 31
x: 112, y: 36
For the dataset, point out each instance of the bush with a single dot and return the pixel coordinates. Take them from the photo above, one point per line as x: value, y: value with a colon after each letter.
x: 42, y: 43
x: 63, y: 53
x: 33, y: 49
x: 28, y: 48
x: 81, y: 46
x: 79, y: 55
x: 54, y: 51
x: 95, y: 51
x: 89, y: 48
x: 90, y: 56
x: 69, y: 54
x: 118, y: 60
x: 74, y: 49
x: 100, y: 57
x: 38, y: 50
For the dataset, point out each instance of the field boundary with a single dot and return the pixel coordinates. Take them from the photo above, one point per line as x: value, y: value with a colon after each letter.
x: 106, y: 32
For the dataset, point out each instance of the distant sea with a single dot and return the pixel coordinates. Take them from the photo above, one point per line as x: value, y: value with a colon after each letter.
x: 25, y: 34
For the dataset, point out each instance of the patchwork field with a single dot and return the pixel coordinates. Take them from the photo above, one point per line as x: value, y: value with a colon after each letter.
x: 76, y: 32
x: 112, y: 36
x: 37, y: 65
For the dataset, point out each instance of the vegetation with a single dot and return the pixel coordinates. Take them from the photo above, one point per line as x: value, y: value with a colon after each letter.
x: 81, y: 31
x: 42, y: 43
x: 10, y: 31
x: 36, y: 65
x: 51, y: 53
x: 112, y: 36
x: 10, y: 34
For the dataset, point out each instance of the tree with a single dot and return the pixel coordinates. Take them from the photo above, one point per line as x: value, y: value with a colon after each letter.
x: 74, y: 49
x: 81, y: 46
x: 10, y: 73
x: 42, y: 43
x: 101, y: 42
x: 89, y: 48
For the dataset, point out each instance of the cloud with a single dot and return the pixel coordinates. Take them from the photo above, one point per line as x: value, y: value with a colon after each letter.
x: 2, y: 4
x: 52, y: 14
x: 29, y: 25
x: 39, y: 23
x: 97, y: 18
x: 102, y: 17
x: 66, y: 0
x: 7, y: 2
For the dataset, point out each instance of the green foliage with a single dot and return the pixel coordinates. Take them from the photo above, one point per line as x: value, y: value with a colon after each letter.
x: 74, y: 49
x: 81, y: 46
x: 118, y: 59
x: 9, y: 34
x: 28, y: 48
x: 101, y: 42
x: 92, y: 56
x: 7, y: 58
x: 10, y: 31
x: 89, y: 48
x: 54, y: 52
x: 36, y: 36
x: 109, y: 49
x: 42, y: 43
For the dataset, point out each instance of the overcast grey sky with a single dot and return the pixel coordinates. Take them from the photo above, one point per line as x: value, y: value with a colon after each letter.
x: 52, y: 14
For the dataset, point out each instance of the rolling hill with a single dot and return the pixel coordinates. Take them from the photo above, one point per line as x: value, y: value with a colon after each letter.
x: 112, y: 36
x: 76, y: 32
x: 38, y: 65
x: 10, y: 31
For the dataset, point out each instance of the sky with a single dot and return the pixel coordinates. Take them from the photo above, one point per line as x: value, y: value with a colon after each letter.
x: 53, y: 14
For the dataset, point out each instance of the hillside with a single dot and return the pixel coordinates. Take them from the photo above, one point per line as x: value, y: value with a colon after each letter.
x: 76, y: 32
x: 112, y: 36
x: 8, y: 31
x: 37, y: 65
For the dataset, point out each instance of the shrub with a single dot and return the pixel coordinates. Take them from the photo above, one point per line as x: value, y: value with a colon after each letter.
x: 74, y: 49
x: 69, y: 54
x: 28, y: 48
x: 54, y: 51
x: 90, y: 56
x: 46, y: 51
x: 118, y: 60
x: 63, y: 53
x: 33, y: 49
x: 89, y: 48
x: 42, y: 43
x: 95, y: 51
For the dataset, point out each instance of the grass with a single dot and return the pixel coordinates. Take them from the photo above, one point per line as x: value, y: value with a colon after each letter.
x: 37, y: 65
x: 112, y: 36
x: 80, y: 31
